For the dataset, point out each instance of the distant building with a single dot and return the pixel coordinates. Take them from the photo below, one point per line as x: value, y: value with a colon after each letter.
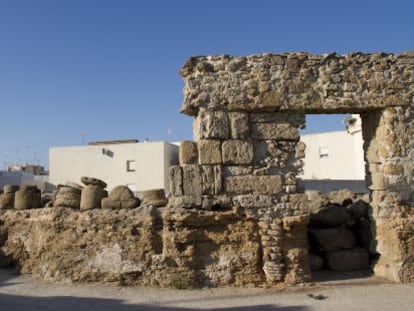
x: 140, y: 166
x: 335, y: 159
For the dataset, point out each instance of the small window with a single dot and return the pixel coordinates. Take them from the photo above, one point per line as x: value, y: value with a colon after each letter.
x: 323, y: 152
x: 131, y: 167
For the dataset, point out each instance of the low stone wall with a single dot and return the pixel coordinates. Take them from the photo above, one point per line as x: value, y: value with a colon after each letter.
x: 143, y: 246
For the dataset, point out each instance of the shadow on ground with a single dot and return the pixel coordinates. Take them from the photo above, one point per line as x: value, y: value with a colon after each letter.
x: 71, y: 303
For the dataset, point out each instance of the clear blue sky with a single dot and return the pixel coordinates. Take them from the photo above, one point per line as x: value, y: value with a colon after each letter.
x: 72, y: 71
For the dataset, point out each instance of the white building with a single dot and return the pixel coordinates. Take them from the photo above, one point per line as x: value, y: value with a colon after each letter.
x: 139, y: 165
x: 337, y: 155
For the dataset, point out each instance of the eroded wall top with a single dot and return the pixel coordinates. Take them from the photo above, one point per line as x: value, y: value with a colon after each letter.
x: 300, y: 82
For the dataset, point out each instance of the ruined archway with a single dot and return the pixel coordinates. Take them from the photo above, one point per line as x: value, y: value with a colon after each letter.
x: 247, y: 113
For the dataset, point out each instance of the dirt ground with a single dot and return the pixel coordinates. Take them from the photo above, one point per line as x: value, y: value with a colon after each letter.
x: 339, y: 292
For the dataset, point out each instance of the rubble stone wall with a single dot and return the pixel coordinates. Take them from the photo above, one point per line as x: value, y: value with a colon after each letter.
x: 247, y: 112
x: 237, y: 214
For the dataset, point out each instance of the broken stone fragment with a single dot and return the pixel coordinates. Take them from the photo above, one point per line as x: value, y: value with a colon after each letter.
x: 155, y: 197
x: 120, y: 197
x: 93, y: 181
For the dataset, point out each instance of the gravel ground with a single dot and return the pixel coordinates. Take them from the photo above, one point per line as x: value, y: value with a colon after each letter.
x: 351, y: 292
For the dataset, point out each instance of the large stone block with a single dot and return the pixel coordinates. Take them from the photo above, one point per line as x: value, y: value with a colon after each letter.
x: 192, y: 181
x: 188, y: 153
x: 276, y: 131
x: 176, y: 180
x: 298, y: 120
x: 253, y: 201
x: 212, y: 125
x: 237, y: 152
x: 266, y: 185
x: 239, y: 125
x: 209, y: 151
x: 348, y: 260
x: 211, y: 177
x: 333, y: 239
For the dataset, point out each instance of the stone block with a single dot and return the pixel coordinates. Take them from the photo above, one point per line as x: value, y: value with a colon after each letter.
x: 296, y: 119
x: 332, y: 216
x: 299, y: 201
x: 176, y: 180
x: 267, y: 185
x: 276, y: 131
x: 333, y: 239
x: 93, y: 181
x: 91, y: 197
x: 185, y: 201
x: 377, y: 181
x: 237, y: 152
x: 192, y: 182
x: 211, y: 177
x: 188, y: 153
x: 348, y: 260
x: 7, y: 200
x: 253, y: 201
x: 212, y: 125
x: 27, y: 197
x: 154, y: 197
x: 239, y: 125
x: 209, y: 151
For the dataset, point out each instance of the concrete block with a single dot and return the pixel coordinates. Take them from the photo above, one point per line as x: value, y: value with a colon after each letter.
x: 237, y: 152
x: 188, y: 152
x: 209, y: 151
x: 239, y: 125
x: 276, y: 131
x: 192, y: 182
x: 267, y: 185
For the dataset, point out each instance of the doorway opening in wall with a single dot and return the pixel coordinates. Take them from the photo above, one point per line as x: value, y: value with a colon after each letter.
x: 339, y: 231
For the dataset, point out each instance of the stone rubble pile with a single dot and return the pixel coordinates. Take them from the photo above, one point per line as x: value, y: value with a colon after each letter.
x: 340, y: 237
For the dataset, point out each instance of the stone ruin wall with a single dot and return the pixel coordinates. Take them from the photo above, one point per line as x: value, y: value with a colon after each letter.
x: 237, y: 214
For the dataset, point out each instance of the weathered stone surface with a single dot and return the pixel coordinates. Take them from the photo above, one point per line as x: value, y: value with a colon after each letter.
x: 120, y: 197
x: 91, y: 196
x: 7, y: 200
x: 255, y: 201
x: 266, y: 185
x: 298, y: 82
x: 237, y: 152
x: 277, y: 131
x: 333, y: 239
x: 93, y: 181
x: 332, y: 216
x: 188, y: 152
x: 176, y: 180
x: 211, y: 179
x: 68, y: 196
x: 239, y: 125
x: 27, y: 197
x: 348, y: 260
x: 212, y: 125
x: 192, y: 182
x: 209, y: 151
x: 155, y: 197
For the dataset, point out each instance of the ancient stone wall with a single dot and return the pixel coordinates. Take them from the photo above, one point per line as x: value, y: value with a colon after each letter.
x: 237, y: 214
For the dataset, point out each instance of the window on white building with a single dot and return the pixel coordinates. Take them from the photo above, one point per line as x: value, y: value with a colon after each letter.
x: 323, y: 152
x: 131, y: 166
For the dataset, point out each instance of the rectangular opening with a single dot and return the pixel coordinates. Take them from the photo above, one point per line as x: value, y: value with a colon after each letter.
x: 131, y: 166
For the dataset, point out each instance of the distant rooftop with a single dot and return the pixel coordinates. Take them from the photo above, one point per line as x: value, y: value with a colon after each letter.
x: 113, y: 142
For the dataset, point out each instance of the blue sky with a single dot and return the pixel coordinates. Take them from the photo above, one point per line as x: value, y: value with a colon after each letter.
x: 72, y: 71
